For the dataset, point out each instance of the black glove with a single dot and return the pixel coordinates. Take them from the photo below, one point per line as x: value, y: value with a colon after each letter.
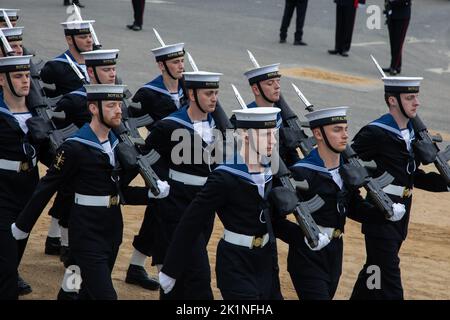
x: 353, y: 176
x: 283, y: 200
x: 127, y: 156
x: 39, y: 129
x: 426, y: 151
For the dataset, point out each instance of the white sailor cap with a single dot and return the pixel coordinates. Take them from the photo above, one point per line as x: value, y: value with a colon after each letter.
x: 77, y: 27
x: 15, y: 63
x: 202, y: 80
x: 263, y: 73
x: 402, y: 84
x: 97, y: 92
x: 100, y: 57
x: 169, y: 52
x: 257, y: 118
x: 11, y: 13
x: 327, y: 116
x: 13, y: 34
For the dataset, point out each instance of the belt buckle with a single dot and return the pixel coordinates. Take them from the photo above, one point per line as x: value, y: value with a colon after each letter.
x: 337, y: 233
x: 257, y: 242
x: 406, y: 193
x: 113, y: 201
x: 24, y: 166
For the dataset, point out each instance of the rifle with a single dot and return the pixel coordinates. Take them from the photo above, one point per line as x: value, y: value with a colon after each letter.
x: 441, y: 158
x: 219, y: 115
x: 97, y: 44
x: 433, y: 153
x: 5, y: 16
x: 304, y: 209
x: 129, y: 134
x: 38, y: 101
x: 75, y: 69
x: 373, y: 186
x: 7, y: 47
x: 299, y: 138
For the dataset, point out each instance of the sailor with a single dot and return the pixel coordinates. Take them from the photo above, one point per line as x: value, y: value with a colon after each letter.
x: 266, y: 88
x: 238, y: 191
x: 315, y: 274
x: 58, y: 74
x: 101, y: 69
x: 158, y: 98
x: 188, y: 171
x: 164, y: 94
x: 18, y: 172
x: 390, y: 141
x: 88, y: 162
x: 12, y: 15
x: 14, y: 37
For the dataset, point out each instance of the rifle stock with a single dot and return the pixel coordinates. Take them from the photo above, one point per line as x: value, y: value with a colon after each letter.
x: 442, y: 157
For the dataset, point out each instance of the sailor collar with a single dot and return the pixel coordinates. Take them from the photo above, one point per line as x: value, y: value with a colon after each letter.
x: 313, y: 162
x: 62, y: 58
x: 238, y: 168
x: 80, y: 92
x: 4, y: 109
x: 387, y: 122
x: 158, y: 85
x: 86, y: 136
x: 181, y: 116
x: 279, y: 119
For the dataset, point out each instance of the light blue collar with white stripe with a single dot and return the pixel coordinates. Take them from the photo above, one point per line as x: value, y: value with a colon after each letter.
x: 388, y: 123
x: 181, y: 116
x: 86, y: 136
x: 4, y: 109
x: 80, y: 92
x: 238, y: 168
x: 279, y: 119
x: 313, y: 162
x: 158, y: 85
x: 62, y: 58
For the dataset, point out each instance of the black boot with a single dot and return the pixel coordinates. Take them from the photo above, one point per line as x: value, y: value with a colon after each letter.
x: 67, y: 296
x: 138, y: 276
x: 52, y: 246
x: 23, y: 286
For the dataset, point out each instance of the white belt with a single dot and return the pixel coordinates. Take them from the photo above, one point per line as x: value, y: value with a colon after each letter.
x: 96, y: 201
x: 399, y: 191
x: 16, y: 166
x: 332, y: 233
x: 186, y: 178
x: 244, y: 240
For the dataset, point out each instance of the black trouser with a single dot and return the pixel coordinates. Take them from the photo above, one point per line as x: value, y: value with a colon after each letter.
x: 382, y: 254
x: 144, y: 241
x: 247, y: 274
x: 8, y: 266
x: 314, y: 288
x: 301, y: 6
x: 96, y: 269
x: 138, y: 8
x: 345, y: 21
x: 397, y: 33
x: 315, y: 274
x: 195, y: 281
